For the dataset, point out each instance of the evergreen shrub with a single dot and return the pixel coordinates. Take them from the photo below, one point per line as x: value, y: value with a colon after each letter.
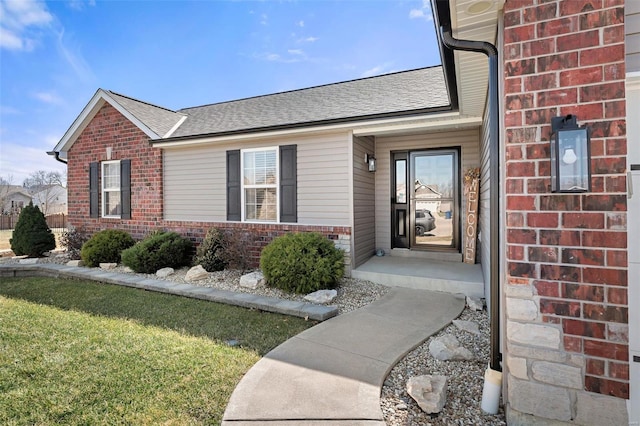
x: 159, y: 250
x: 31, y: 235
x: 105, y: 247
x: 302, y: 263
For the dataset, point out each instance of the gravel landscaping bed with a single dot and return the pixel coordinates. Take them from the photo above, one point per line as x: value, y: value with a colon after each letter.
x: 465, y: 378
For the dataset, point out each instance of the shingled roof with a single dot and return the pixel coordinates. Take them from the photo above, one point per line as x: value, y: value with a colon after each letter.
x: 158, y: 119
x: 403, y: 93
x: 407, y: 91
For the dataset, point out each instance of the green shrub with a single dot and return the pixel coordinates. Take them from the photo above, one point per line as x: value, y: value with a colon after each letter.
x: 32, y: 236
x: 105, y: 247
x: 211, y: 253
x: 302, y: 263
x: 72, y: 240
x: 158, y: 250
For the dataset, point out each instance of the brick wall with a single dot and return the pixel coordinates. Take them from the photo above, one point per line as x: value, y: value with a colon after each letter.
x: 109, y: 128
x: 566, y: 287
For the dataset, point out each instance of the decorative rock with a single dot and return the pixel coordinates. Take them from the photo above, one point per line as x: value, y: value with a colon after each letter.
x: 475, y: 303
x: 196, y: 273
x: 29, y: 261
x: 252, y: 280
x: 321, y: 296
x: 108, y: 266
x: 430, y: 392
x: 448, y: 348
x: 127, y: 270
x: 164, y: 272
x: 75, y: 263
x: 402, y: 407
x: 468, y: 326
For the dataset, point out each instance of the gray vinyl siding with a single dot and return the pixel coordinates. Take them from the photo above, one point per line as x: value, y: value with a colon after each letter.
x: 632, y: 35
x: 484, y: 210
x: 364, y: 240
x: 195, y: 179
x: 467, y: 140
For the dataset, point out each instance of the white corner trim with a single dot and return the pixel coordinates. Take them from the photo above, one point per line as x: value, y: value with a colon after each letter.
x: 175, y: 127
x: 633, y: 80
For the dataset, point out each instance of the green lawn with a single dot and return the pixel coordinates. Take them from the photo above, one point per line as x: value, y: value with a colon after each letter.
x: 78, y: 352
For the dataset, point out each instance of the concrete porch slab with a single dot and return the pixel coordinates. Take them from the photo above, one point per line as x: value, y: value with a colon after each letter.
x: 423, y: 274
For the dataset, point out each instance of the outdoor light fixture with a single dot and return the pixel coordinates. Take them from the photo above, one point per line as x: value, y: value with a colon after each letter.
x: 570, y: 156
x: 371, y: 162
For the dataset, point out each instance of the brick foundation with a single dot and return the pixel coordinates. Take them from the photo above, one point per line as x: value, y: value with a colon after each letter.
x: 566, y: 285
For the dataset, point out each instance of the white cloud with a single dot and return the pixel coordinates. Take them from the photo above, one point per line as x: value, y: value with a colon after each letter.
x: 20, y: 160
x: 48, y: 98
x: 422, y: 13
x: 378, y: 69
x: 264, y: 19
x: 74, y: 57
x: 308, y: 40
x: 19, y: 19
x: 80, y: 4
x: 295, y: 52
x: 7, y: 110
x: 300, y: 24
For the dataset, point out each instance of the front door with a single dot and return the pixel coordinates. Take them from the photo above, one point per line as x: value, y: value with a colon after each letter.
x: 426, y: 199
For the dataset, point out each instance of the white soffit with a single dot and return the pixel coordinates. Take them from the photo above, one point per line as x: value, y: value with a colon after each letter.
x: 474, y: 20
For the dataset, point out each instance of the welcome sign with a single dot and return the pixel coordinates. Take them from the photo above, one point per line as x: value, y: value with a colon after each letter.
x: 472, y: 192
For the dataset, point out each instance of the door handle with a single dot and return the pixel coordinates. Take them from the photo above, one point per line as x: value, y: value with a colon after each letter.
x: 630, y: 184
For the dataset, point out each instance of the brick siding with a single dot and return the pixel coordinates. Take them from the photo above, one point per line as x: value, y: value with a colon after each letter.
x: 567, y: 252
x: 109, y: 128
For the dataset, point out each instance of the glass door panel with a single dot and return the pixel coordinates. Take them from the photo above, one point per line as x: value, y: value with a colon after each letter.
x: 434, y: 198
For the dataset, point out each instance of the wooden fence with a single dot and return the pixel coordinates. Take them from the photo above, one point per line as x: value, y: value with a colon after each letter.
x: 56, y: 222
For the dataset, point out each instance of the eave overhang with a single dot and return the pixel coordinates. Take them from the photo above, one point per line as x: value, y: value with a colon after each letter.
x: 99, y: 99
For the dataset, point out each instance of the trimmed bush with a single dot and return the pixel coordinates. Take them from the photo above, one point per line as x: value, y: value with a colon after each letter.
x: 158, y: 250
x: 302, y: 263
x: 211, y: 253
x: 32, y: 236
x: 72, y: 241
x: 105, y: 247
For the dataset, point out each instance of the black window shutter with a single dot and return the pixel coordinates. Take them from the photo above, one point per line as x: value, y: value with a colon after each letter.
x: 233, y: 185
x: 94, y: 194
x: 288, y: 184
x: 125, y: 188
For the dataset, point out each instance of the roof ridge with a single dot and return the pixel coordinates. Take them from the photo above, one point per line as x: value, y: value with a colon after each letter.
x: 142, y: 102
x: 308, y: 88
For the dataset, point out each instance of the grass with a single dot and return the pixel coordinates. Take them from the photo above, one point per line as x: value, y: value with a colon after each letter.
x: 79, y: 352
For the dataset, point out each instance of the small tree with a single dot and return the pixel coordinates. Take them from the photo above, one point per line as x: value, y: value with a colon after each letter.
x: 32, y: 236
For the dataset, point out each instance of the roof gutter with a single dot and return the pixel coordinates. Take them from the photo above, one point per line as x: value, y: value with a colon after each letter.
x: 494, y: 170
x: 293, y: 126
x: 56, y: 155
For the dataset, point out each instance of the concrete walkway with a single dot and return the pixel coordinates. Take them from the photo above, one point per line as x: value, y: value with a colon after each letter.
x: 332, y: 374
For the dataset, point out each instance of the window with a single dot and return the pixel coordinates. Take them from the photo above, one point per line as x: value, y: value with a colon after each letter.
x: 111, y: 200
x: 116, y: 189
x: 260, y: 185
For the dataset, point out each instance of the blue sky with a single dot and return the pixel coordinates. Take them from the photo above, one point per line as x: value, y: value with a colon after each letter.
x: 54, y: 55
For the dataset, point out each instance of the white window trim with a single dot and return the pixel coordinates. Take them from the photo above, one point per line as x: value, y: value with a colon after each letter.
x: 104, y: 191
x: 242, y: 185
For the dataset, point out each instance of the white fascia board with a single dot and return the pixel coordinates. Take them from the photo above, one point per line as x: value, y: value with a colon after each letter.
x: 358, y: 129
x: 90, y: 110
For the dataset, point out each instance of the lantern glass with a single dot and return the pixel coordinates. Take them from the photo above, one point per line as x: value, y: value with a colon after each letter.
x: 570, y: 161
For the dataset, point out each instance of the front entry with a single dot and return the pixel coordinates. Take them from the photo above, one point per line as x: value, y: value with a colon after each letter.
x: 425, y: 200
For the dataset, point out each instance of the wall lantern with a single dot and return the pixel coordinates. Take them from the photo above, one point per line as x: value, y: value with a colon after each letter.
x: 371, y: 162
x: 570, y: 156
